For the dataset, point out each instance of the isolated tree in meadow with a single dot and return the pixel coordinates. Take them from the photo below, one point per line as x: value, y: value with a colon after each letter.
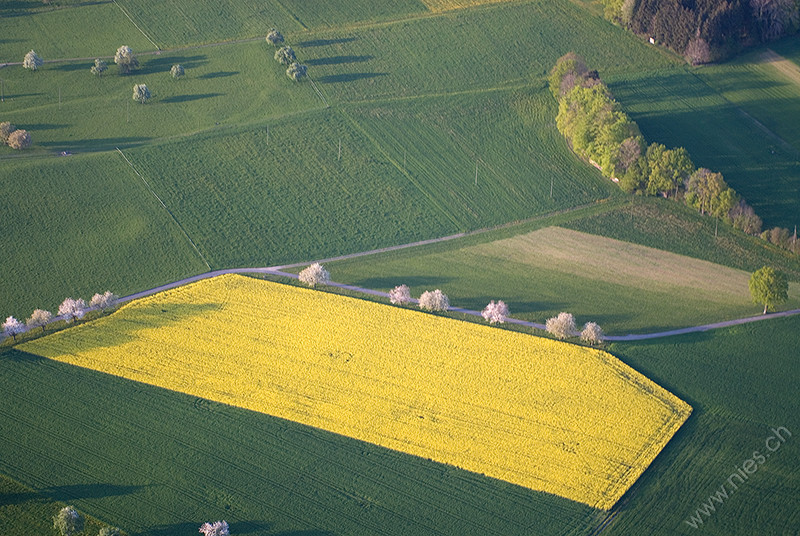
x: 297, y: 72
x: 274, y: 37
x: 68, y: 521
x: 285, y: 56
x: 177, y: 71
x: 99, y: 67
x: 217, y: 528
x: 141, y: 93
x: 434, y: 301
x: 19, y: 139
x: 562, y: 326
x: 495, y: 312
x: 314, y: 275
x: 768, y: 286
x: 592, y: 333
x: 104, y: 300
x: 6, y: 129
x: 39, y: 319
x: 13, y: 327
x: 400, y: 295
x: 125, y: 59
x: 32, y: 61
x: 109, y: 531
x: 72, y: 309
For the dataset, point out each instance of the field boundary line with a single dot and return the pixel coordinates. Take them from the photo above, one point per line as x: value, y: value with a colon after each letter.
x: 319, y: 93
x: 137, y: 26
x: 150, y: 188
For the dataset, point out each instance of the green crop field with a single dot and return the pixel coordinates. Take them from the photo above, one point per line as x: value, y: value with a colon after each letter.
x: 742, y: 384
x: 157, y: 462
x: 84, y: 224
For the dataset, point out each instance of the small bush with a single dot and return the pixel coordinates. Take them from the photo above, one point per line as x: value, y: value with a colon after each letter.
x: 19, y: 139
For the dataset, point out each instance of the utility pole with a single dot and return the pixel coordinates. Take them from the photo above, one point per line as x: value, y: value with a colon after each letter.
x: 551, y: 187
x: 2, y: 92
x: 267, y: 134
x: 340, y: 150
x: 476, y: 172
x: 128, y: 112
x: 59, y: 98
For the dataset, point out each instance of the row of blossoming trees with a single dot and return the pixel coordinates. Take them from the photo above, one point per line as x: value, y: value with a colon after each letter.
x: 561, y: 326
x: 69, y: 310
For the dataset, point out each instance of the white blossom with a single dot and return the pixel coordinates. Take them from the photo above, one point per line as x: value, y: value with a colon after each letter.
x: 103, y: 301
x: 495, y: 312
x: 13, y: 327
x: 400, y: 294
x: 314, y: 275
x: 592, y: 333
x: 72, y: 309
x: 217, y: 528
x: 39, y: 319
x: 434, y: 301
x: 562, y: 326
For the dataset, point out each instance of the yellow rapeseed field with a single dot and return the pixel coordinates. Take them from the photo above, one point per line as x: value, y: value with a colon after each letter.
x: 547, y: 415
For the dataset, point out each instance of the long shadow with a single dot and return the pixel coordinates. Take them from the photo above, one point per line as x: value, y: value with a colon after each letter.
x: 12, y: 499
x: 189, y: 98
x: 348, y: 77
x: 96, y: 144
x: 43, y: 126
x: 411, y: 281
x: 218, y: 74
x: 18, y: 8
x: 162, y: 64
x: 21, y: 95
x: 71, y: 67
x: 338, y: 60
x: 75, y: 492
x: 325, y: 42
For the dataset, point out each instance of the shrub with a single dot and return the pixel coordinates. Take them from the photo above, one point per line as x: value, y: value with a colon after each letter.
x: 177, y: 71
x: 495, y: 312
x: 285, y: 56
x: 592, y: 333
x: 297, y: 72
x: 274, y: 37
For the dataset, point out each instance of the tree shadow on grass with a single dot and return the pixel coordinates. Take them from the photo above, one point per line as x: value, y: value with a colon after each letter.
x: 338, y: 60
x: 71, y: 67
x: 218, y: 74
x: 9, y: 96
x: 348, y: 77
x: 87, y: 491
x: 162, y: 64
x: 325, y: 42
x: 238, y: 527
x: 189, y: 98
x: 378, y: 283
x: 44, y: 126
x: 96, y: 144
x: 12, y: 499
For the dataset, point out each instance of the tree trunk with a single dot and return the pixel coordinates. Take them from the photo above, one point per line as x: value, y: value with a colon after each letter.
x: 765, y: 308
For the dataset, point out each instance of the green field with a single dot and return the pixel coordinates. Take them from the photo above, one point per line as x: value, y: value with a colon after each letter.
x: 84, y: 224
x: 742, y: 383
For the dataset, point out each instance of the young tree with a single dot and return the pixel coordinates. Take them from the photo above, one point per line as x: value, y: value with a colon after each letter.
x: 177, y: 71
x: 562, y: 326
x: 125, y: 59
x: 141, y: 93
x: 274, y: 37
x: 745, y: 219
x: 768, y: 286
x: 32, y: 61
x: 19, y: 139
x: 217, y: 528
x: 99, y: 67
x: 39, y: 319
x: 400, y: 295
x: 592, y: 333
x: 72, y: 309
x: 13, y: 327
x: 495, y: 312
x: 314, y: 275
x: 297, y: 72
x: 434, y: 301
x: 6, y: 129
x: 285, y: 55
x: 68, y: 521
x: 103, y: 301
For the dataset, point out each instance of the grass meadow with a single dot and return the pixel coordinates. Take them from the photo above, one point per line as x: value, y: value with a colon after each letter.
x: 83, y: 224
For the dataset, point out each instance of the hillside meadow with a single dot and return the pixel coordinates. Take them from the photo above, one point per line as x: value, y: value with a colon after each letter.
x: 451, y: 391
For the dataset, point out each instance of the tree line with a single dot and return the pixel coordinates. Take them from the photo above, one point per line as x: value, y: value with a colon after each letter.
x: 597, y: 128
x: 704, y: 31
